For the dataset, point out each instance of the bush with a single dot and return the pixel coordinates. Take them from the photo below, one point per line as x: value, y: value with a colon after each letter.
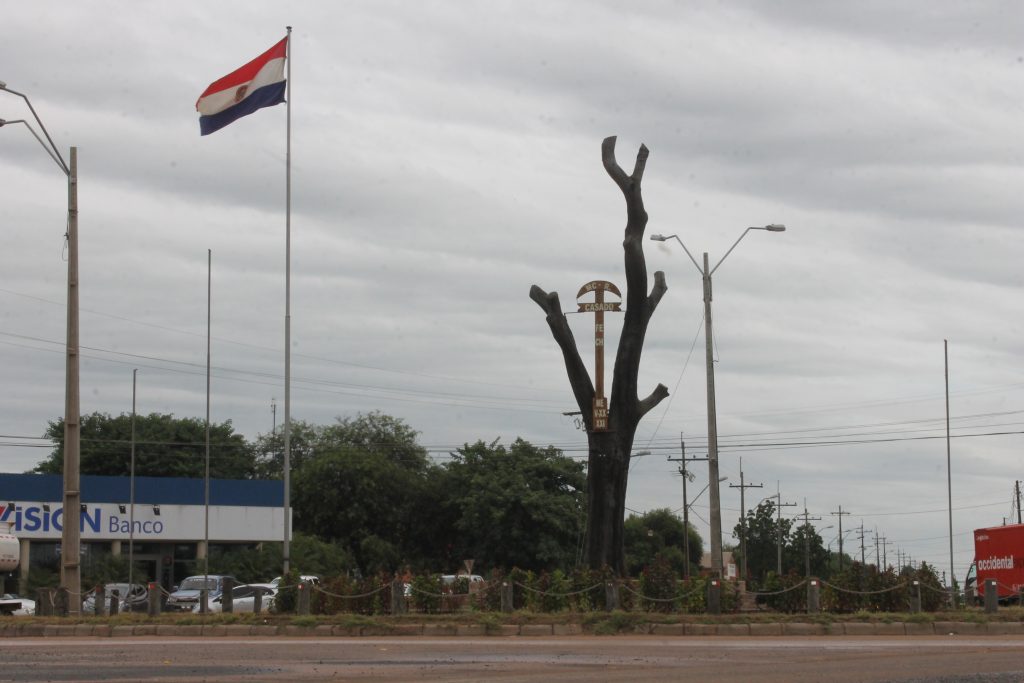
x: 659, y: 587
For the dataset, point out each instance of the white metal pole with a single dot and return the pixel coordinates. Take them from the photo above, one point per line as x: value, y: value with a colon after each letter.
x: 206, y: 473
x: 949, y: 474
x: 131, y: 494
x: 286, y: 548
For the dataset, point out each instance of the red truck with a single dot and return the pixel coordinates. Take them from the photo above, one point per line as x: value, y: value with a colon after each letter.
x: 999, y: 555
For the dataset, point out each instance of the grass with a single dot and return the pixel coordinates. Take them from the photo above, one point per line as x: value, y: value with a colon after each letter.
x: 598, y: 622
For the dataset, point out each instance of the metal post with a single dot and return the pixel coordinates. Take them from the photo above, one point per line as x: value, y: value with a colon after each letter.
x: 713, y: 491
x: 949, y: 472
x: 286, y: 546
x: 131, y: 495
x: 206, y: 470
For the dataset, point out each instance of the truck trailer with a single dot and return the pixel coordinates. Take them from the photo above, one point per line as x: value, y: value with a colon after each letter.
x: 999, y: 555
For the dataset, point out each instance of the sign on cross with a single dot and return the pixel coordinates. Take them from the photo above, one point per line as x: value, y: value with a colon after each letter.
x: 599, y: 423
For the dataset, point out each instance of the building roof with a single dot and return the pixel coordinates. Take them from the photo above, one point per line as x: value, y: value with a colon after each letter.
x: 49, y: 488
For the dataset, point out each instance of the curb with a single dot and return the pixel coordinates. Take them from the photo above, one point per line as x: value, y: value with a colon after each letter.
x: 761, y: 629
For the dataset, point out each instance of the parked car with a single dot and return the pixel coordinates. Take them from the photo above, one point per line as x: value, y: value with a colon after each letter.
x: 471, y: 579
x: 310, y: 578
x: 186, y: 596
x: 17, y: 606
x: 243, y: 599
x: 131, y: 598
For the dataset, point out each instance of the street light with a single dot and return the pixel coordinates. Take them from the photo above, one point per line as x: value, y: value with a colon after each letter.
x: 71, y: 539
x: 706, y: 273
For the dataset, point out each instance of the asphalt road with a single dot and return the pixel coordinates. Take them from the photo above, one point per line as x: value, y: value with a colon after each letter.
x: 929, y: 659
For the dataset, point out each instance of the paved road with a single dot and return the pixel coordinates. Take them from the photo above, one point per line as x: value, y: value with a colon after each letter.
x: 929, y: 659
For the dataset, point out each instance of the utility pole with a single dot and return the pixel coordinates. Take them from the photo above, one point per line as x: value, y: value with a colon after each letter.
x: 686, y: 505
x: 743, y: 486
x: 840, y: 515
x: 885, y: 554
x: 273, y: 412
x: 863, y: 558
x: 1017, y: 488
x: 778, y: 526
x: 807, y: 540
x: 878, y: 552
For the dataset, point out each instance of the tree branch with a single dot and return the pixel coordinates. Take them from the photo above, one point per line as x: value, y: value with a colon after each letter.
x: 579, y: 378
x: 657, y: 396
x: 657, y: 292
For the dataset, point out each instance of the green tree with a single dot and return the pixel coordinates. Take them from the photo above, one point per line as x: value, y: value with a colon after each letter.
x: 309, y: 555
x: 165, y: 446
x: 387, y: 436
x: 805, y: 543
x: 363, y: 486
x: 762, y: 543
x: 659, y: 534
x: 520, y: 506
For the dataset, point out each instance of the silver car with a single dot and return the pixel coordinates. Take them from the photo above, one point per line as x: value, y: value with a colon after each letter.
x: 186, y: 596
x: 131, y: 598
x: 243, y: 599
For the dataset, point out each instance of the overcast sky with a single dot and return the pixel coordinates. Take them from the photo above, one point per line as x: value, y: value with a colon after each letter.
x: 446, y: 157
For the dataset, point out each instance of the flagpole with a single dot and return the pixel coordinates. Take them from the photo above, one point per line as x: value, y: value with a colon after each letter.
x: 286, y: 550
x: 206, y: 477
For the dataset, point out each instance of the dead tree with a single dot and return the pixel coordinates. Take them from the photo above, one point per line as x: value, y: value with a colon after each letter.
x: 609, y: 451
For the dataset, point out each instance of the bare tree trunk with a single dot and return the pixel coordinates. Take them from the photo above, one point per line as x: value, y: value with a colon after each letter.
x: 608, y: 461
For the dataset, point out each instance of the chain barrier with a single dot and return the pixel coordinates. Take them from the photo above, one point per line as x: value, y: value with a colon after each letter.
x: 557, y: 595
x: 626, y: 588
x: 853, y: 592
x: 346, y: 597
x: 784, y: 590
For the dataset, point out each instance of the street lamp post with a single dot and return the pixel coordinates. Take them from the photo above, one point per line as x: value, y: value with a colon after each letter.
x: 71, y: 540
x: 714, y: 495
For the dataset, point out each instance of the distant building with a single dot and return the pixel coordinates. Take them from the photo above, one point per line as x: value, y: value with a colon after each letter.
x: 166, y: 526
x: 729, y: 568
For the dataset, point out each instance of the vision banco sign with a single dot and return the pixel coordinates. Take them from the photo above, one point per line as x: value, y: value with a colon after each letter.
x: 106, y: 522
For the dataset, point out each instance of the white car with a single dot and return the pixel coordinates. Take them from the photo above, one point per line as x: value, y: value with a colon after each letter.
x: 308, y: 578
x: 450, y: 579
x: 133, y: 598
x: 19, y: 607
x: 243, y: 599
